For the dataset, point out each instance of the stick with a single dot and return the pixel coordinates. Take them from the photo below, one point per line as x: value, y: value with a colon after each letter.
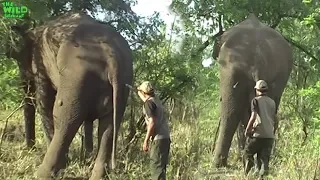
x: 82, y: 151
x: 132, y: 88
x: 216, y: 134
x: 7, y: 120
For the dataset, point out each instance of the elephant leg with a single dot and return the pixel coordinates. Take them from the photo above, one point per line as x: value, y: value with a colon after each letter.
x: 29, y: 111
x: 105, y: 130
x: 46, y: 97
x: 29, y: 119
x: 240, y: 133
x: 277, y: 100
x: 88, y: 139
x: 241, y: 139
x: 69, y: 113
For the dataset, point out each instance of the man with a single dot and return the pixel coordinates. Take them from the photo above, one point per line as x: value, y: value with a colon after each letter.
x: 158, y: 132
x: 260, y: 130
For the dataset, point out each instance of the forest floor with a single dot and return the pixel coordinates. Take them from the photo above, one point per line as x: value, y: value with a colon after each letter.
x: 190, y: 158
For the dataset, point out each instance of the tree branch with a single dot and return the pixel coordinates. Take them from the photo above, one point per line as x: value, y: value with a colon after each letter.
x: 300, y: 66
x: 277, y: 22
x: 281, y: 16
x: 303, y: 49
x: 207, y: 43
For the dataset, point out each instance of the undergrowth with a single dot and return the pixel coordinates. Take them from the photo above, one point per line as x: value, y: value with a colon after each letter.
x: 191, y: 154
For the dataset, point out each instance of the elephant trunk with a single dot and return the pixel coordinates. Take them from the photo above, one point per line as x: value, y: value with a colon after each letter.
x: 233, y: 89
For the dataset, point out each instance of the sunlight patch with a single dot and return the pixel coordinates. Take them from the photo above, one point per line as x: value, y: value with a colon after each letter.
x: 207, y: 62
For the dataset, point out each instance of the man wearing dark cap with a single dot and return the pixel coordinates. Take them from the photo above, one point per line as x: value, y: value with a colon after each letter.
x: 158, y: 132
x: 260, y: 130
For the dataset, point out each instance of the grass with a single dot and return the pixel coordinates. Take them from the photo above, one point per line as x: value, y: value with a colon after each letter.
x: 190, y: 158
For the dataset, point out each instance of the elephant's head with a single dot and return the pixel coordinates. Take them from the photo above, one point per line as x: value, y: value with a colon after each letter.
x: 22, y: 48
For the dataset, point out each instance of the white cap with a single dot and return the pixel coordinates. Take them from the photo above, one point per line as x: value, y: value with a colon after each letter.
x: 261, y: 85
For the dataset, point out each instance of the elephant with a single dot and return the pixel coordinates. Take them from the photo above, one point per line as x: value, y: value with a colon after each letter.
x: 246, y: 53
x: 31, y: 97
x: 29, y: 106
x: 79, y: 69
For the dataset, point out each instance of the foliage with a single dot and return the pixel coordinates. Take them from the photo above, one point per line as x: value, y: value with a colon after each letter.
x: 10, y: 91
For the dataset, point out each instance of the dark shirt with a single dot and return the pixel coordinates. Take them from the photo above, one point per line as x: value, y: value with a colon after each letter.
x: 154, y: 108
x: 265, y: 108
x: 151, y: 108
x: 254, y: 105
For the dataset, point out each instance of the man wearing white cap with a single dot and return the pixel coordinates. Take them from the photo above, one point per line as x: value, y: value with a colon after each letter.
x: 158, y: 131
x: 260, y: 130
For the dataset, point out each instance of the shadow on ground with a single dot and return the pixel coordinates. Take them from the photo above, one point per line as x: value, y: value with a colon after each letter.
x: 74, y: 178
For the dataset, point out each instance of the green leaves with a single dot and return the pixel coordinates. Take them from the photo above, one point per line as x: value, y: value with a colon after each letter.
x: 311, y: 96
x: 10, y: 91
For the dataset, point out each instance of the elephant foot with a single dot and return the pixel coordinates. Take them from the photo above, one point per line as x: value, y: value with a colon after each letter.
x: 89, y: 155
x: 44, y: 173
x: 98, y: 172
x: 221, y: 163
x: 31, y: 146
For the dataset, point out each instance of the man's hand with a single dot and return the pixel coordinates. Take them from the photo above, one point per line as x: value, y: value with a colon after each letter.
x: 147, y: 122
x: 145, y: 146
x: 150, y: 130
x: 249, y: 132
x: 249, y: 127
x: 246, y: 133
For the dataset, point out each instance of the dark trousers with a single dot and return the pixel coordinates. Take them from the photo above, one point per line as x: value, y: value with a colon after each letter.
x: 159, y: 155
x: 262, y: 147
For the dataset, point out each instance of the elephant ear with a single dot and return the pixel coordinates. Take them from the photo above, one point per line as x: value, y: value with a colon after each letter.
x: 24, y: 26
x: 24, y: 32
x: 17, y: 29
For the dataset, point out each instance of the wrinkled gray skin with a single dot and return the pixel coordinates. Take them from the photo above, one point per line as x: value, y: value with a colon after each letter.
x: 80, y: 68
x: 43, y: 97
x: 246, y: 53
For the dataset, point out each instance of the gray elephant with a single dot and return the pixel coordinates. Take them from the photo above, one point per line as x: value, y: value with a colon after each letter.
x: 42, y: 97
x: 79, y: 68
x: 246, y: 53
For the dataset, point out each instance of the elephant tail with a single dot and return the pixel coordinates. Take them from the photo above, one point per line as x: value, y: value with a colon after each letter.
x: 119, y: 105
x: 115, y: 129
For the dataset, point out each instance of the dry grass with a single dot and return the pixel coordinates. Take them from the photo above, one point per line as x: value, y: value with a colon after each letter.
x: 191, y: 155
